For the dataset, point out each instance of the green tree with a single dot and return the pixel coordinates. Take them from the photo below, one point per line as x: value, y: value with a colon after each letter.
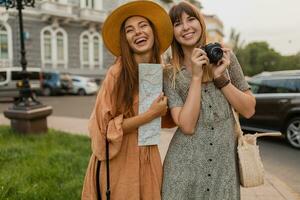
x: 257, y: 57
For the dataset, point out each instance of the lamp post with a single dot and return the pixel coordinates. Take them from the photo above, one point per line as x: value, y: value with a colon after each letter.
x: 27, y: 114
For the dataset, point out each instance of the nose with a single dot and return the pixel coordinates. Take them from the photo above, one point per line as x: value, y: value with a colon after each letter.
x: 185, y: 25
x: 138, y: 31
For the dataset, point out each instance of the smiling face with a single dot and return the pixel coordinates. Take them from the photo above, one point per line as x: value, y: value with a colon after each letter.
x: 187, y: 30
x: 139, y: 35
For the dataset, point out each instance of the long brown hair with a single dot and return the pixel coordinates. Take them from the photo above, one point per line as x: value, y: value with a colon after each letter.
x: 128, y: 80
x: 175, y: 14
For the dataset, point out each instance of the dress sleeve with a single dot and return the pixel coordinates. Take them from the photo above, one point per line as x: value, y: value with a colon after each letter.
x: 174, y: 99
x: 104, y: 124
x: 236, y: 74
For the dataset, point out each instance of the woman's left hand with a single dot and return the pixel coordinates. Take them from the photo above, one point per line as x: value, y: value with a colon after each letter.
x: 222, y: 65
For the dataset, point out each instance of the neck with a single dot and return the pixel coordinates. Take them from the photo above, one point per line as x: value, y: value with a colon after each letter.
x: 142, y: 58
x: 187, y: 52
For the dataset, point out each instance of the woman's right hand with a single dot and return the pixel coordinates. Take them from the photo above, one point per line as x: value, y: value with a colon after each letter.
x: 159, y: 106
x: 199, y: 59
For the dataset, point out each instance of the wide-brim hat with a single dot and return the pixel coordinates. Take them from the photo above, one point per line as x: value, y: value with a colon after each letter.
x: 148, y: 9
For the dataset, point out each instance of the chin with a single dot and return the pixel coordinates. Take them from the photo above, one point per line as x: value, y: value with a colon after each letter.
x: 142, y: 50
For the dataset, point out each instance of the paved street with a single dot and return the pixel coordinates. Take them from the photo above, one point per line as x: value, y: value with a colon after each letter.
x: 279, y: 158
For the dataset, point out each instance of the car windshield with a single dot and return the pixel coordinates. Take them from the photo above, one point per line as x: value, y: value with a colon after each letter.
x: 275, y: 85
x: 2, y: 76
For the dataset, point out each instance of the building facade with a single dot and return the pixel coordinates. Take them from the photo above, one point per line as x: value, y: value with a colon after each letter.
x: 65, y: 35
x: 214, y: 29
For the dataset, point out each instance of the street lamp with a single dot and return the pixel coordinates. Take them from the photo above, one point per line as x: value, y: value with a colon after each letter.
x: 26, y: 99
x: 27, y: 114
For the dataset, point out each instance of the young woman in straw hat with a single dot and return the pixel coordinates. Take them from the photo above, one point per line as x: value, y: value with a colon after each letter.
x: 201, y: 160
x: 136, y: 32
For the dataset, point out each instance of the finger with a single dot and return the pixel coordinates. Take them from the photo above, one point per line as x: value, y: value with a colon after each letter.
x: 158, y: 99
x: 202, y: 57
x: 227, y: 53
x: 198, y: 52
x: 202, y: 62
x: 165, y: 100
x: 220, y: 62
x: 161, y: 96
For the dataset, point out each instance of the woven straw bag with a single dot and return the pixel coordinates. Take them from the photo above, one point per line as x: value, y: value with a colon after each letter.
x: 250, y: 163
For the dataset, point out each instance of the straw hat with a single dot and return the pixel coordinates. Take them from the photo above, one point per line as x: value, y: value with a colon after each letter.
x: 148, y: 9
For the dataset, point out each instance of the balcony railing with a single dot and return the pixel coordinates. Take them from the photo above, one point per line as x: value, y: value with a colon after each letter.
x: 56, y: 9
x: 87, y: 14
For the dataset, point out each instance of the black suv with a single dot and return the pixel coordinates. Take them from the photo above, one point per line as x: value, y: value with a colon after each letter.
x: 277, y: 104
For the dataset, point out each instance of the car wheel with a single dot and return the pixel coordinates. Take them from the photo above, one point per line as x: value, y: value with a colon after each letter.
x: 293, y: 132
x: 47, y: 91
x: 81, y: 92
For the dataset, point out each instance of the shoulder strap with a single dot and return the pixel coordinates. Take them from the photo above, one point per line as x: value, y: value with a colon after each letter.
x: 97, y: 180
x: 238, y: 130
x: 107, y: 172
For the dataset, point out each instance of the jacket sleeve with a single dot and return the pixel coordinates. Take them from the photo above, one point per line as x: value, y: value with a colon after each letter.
x: 103, y: 122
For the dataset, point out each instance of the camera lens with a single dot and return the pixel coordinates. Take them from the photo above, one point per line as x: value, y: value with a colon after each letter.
x: 216, y: 54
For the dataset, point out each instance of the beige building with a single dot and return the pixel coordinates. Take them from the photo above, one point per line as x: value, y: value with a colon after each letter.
x: 214, y: 28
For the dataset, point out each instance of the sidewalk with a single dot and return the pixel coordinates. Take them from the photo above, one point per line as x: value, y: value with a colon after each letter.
x: 273, y: 189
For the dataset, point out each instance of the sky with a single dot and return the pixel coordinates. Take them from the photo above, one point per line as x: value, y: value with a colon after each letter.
x: 274, y: 21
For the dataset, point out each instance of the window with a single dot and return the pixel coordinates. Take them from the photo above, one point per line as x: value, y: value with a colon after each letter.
x: 96, y: 45
x: 60, y: 46
x: 54, y: 47
x: 85, y: 46
x: 47, y: 45
x: 75, y: 80
x: 280, y: 85
x: 3, y: 76
x: 91, y: 50
x: 34, y: 76
x: 16, y: 75
x: 3, y: 43
x: 90, y: 4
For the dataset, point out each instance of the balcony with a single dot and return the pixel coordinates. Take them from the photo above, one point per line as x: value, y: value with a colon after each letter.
x: 87, y: 15
x: 214, y: 27
x: 57, y: 10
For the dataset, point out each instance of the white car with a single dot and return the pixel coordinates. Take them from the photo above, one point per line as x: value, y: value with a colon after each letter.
x: 84, y: 85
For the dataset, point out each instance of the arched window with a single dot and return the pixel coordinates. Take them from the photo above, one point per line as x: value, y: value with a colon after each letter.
x: 91, y: 50
x: 54, y: 47
x: 3, y: 43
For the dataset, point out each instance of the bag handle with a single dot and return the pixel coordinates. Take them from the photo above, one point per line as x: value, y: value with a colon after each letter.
x: 237, y: 122
x: 240, y: 132
x: 268, y: 134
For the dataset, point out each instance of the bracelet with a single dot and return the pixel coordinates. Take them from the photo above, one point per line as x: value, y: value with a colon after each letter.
x: 221, y: 81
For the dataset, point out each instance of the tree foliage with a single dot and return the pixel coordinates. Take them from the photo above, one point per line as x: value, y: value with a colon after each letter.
x: 257, y: 57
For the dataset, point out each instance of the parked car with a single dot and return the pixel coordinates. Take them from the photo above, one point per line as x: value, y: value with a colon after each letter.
x: 54, y: 83
x: 84, y: 86
x: 277, y: 104
x: 11, y: 76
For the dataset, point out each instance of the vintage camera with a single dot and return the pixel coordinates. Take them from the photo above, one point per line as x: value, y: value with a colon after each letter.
x: 214, y: 52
